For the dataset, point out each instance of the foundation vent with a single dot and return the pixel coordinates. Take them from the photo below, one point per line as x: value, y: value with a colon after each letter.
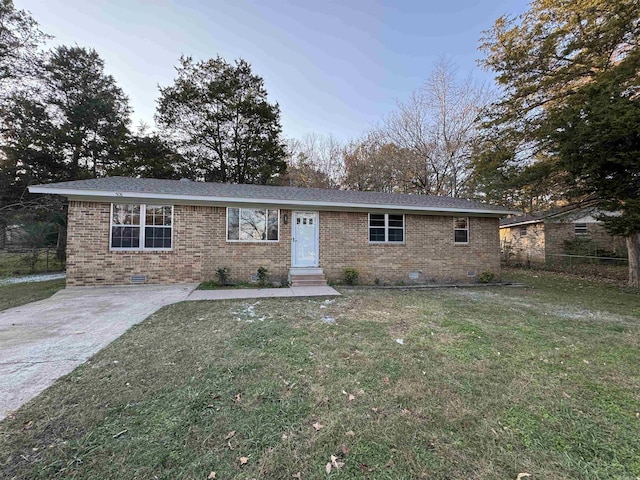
x: 138, y: 279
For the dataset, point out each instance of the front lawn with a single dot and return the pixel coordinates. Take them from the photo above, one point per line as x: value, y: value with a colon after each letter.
x: 376, y: 384
x: 20, y: 293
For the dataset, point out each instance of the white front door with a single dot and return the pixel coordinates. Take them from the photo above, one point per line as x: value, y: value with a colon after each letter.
x: 305, y: 239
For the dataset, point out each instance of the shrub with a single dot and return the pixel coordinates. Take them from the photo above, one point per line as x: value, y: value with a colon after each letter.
x: 222, y: 274
x: 263, y: 276
x: 487, y: 277
x: 350, y: 276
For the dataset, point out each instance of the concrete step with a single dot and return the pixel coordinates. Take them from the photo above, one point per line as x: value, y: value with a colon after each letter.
x: 307, y: 277
x: 309, y: 283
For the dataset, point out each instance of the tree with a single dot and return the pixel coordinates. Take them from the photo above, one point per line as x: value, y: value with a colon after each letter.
x: 596, y: 137
x: 541, y: 59
x: 89, y: 112
x: 438, y: 124
x: 315, y: 161
x: 569, y: 75
x: 373, y: 164
x: 147, y: 155
x: 217, y: 115
x: 20, y: 38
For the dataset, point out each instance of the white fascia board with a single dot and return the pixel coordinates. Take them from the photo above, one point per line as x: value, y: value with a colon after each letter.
x: 528, y: 222
x: 110, y: 196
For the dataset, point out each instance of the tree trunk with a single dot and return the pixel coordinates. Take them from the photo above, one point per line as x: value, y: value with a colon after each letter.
x: 633, y: 251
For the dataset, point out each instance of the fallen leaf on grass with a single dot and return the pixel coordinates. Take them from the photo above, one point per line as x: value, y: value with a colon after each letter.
x: 28, y: 425
x: 230, y: 435
x: 344, y: 449
x: 522, y: 475
x: 386, y: 381
x: 211, y: 475
x: 244, y: 460
x: 237, y: 398
x: 352, y: 397
x: 298, y: 476
x: 318, y: 426
x: 328, y: 468
x: 350, y: 433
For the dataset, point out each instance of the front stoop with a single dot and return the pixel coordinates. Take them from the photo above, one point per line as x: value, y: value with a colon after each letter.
x: 307, y: 277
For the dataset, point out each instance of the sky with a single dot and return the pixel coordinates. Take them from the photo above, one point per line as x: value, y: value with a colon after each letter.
x: 335, y: 67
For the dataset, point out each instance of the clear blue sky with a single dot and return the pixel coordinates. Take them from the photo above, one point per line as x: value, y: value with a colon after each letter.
x: 335, y: 67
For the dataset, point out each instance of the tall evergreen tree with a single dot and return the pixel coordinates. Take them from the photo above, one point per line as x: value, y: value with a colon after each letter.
x: 218, y: 116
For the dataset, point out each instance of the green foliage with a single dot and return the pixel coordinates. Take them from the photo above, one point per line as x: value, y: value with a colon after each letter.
x: 350, y: 276
x: 218, y: 116
x: 542, y: 59
x: 263, y: 276
x: 487, y: 277
x: 149, y: 156
x: 222, y: 274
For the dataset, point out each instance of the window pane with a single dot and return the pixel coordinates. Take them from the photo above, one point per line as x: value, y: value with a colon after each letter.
x: 460, y: 222
x: 126, y: 214
x: 233, y: 223
x: 376, y: 220
x: 461, y: 236
x: 396, y: 235
x: 253, y: 224
x: 272, y: 225
x: 125, y: 237
x: 395, y: 221
x: 376, y: 235
x: 158, y: 215
x: 157, y: 237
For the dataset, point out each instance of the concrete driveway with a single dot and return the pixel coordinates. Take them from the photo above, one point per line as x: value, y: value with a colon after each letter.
x: 41, y: 341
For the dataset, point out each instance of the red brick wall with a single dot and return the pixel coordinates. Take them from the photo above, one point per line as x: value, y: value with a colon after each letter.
x: 200, y: 247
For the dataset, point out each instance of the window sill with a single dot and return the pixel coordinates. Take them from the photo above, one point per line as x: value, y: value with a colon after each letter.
x: 141, y: 250
x: 387, y: 243
x: 253, y: 242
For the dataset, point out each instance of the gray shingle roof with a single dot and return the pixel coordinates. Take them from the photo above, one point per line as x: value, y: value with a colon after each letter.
x: 268, y: 194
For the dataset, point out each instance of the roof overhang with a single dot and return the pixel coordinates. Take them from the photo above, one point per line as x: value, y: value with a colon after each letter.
x: 517, y: 224
x: 111, y: 196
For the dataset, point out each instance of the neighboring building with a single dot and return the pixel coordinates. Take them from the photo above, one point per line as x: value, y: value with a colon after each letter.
x: 550, y: 236
x: 129, y: 230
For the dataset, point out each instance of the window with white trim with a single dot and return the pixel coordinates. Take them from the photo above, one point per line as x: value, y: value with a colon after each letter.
x: 141, y: 227
x: 461, y: 230
x: 386, y: 228
x: 252, y: 225
x: 580, y: 229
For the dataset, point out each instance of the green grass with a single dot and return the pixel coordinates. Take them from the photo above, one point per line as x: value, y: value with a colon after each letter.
x: 21, y: 293
x: 16, y: 264
x: 487, y: 384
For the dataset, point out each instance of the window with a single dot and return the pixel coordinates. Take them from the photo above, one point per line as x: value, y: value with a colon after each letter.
x: 252, y: 225
x: 460, y: 230
x: 141, y: 227
x: 386, y: 228
x: 580, y: 229
x: 523, y: 230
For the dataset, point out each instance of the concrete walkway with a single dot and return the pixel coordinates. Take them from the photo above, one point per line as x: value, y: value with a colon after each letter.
x: 325, y: 291
x: 41, y: 341
x: 44, y: 340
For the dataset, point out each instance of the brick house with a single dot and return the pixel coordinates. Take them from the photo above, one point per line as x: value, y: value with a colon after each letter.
x: 128, y: 230
x: 548, y: 237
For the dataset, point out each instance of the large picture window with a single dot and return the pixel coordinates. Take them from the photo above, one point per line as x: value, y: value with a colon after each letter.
x: 141, y: 227
x: 252, y: 225
x: 386, y: 228
x: 460, y: 230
